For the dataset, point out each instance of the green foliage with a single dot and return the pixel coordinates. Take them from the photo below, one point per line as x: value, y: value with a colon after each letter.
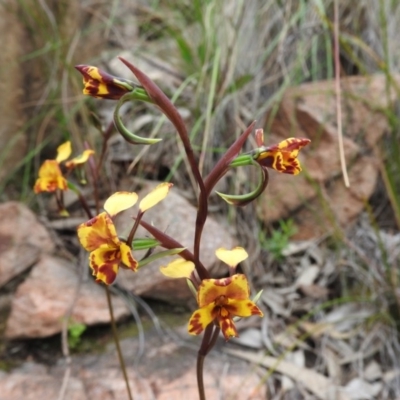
x: 279, y: 239
x: 75, y: 332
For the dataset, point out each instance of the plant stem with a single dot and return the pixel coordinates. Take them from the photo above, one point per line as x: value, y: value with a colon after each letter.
x: 200, y: 381
x: 213, y: 339
x: 209, y: 339
x: 134, y: 229
x: 201, y: 355
x: 117, y: 344
x: 106, y: 136
x: 338, y: 94
x: 84, y: 204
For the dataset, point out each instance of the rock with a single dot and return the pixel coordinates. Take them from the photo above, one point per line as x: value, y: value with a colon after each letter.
x: 309, y: 111
x: 285, y: 193
x: 341, y: 205
x: 41, y: 302
x: 32, y: 382
x: 23, y: 239
x: 230, y: 387
x: 167, y: 371
x: 176, y: 216
x: 109, y: 384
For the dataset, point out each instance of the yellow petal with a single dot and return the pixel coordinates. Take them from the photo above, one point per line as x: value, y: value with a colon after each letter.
x: 228, y: 327
x: 178, y: 268
x: 232, y: 257
x: 242, y: 308
x: 81, y: 159
x: 104, y: 263
x: 63, y: 151
x: 155, y: 196
x: 99, y: 232
x: 200, y: 319
x: 127, y: 257
x: 235, y: 287
x: 238, y: 288
x: 120, y: 201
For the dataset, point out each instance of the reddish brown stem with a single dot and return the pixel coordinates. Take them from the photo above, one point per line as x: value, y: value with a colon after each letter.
x: 134, y: 229
x: 168, y: 242
x: 106, y: 137
x: 166, y: 106
x: 222, y: 165
x: 85, y: 205
x: 201, y: 355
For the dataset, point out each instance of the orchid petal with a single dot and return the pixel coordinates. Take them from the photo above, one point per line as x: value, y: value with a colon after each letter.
x: 178, y: 268
x: 228, y: 328
x: 234, y: 287
x: 232, y: 257
x: 200, y: 319
x: 81, y: 159
x: 104, y: 263
x: 127, y: 257
x: 120, y: 201
x: 242, y: 308
x: 98, y: 232
x: 155, y: 196
x: 63, y: 151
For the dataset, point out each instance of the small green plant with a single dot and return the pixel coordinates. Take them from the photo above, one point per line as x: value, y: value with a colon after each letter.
x: 279, y: 239
x: 75, y: 332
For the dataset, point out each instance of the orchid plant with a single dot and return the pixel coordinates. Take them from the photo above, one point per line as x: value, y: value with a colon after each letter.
x: 220, y: 301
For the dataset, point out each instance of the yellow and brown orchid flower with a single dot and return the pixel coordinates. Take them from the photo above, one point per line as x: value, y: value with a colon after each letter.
x: 51, y: 177
x: 219, y: 301
x: 281, y: 157
x: 100, y: 84
x: 99, y: 235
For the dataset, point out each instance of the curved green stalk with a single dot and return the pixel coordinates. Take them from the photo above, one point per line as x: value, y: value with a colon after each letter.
x: 125, y: 132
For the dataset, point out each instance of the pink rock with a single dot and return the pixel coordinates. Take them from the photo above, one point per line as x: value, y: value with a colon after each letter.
x: 32, y: 382
x: 41, y: 302
x: 230, y: 386
x: 22, y: 240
